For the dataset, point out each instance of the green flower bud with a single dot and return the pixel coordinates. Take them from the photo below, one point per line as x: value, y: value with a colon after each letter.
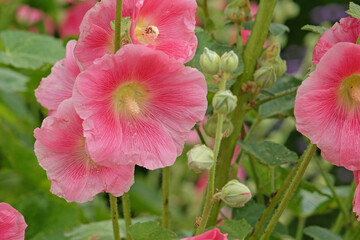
x: 280, y: 66
x: 270, y: 53
x: 224, y: 102
x: 265, y: 77
x: 235, y: 194
x: 211, y: 125
x: 200, y: 158
x: 229, y: 62
x: 238, y: 11
x: 210, y: 61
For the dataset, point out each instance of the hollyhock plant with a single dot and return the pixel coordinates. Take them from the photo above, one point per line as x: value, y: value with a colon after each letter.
x: 138, y: 106
x: 164, y: 25
x: 213, y: 234
x: 327, y: 106
x: 61, y: 151
x: 12, y: 223
x: 347, y: 30
x: 58, y: 86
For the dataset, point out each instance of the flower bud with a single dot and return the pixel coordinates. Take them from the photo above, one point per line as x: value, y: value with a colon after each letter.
x: 229, y: 62
x: 265, y: 77
x: 200, y: 158
x: 235, y: 194
x: 271, y: 52
x: 210, y: 61
x: 211, y: 125
x: 280, y: 66
x: 224, y: 102
x: 238, y: 11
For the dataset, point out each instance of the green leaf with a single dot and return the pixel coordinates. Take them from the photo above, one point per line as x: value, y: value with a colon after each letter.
x: 275, y: 28
x: 283, y: 106
x: 150, y: 231
x: 237, y: 229
x: 11, y: 81
x: 319, y: 233
x: 311, y: 202
x: 315, y: 29
x: 354, y: 10
x: 29, y: 50
x: 270, y: 153
x: 251, y: 212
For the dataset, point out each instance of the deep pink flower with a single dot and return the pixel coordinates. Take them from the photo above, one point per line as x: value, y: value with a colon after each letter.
x: 61, y: 151
x: 347, y: 30
x: 327, y: 106
x: 73, y: 17
x: 139, y: 106
x: 213, y: 234
x: 12, y: 223
x: 29, y: 15
x: 164, y: 25
x: 58, y: 86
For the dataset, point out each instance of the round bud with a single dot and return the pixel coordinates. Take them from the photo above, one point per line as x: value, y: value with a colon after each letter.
x: 238, y: 11
x: 280, y: 66
x: 235, y: 194
x: 229, y: 62
x: 200, y: 158
x: 224, y: 102
x: 211, y: 125
x: 265, y: 77
x: 210, y: 61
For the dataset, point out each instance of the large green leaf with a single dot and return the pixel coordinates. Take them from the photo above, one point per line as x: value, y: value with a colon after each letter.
x: 275, y: 28
x: 237, y: 229
x: 315, y: 29
x: 251, y: 212
x: 319, y: 233
x: 354, y: 10
x: 11, y: 81
x: 311, y: 202
x: 150, y: 231
x: 29, y: 50
x: 269, y: 153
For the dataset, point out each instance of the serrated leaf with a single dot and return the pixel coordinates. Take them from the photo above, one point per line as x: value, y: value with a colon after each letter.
x: 354, y: 10
x: 315, y: 29
x: 319, y: 233
x: 275, y: 28
x: 11, y: 81
x: 29, y: 50
x: 150, y: 231
x: 270, y: 153
x: 237, y: 229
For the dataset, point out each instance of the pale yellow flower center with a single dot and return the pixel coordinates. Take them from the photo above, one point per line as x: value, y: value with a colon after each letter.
x: 349, y: 91
x: 146, y: 33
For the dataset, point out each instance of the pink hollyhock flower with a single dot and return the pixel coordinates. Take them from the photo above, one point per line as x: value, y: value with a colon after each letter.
x: 327, y: 106
x: 12, y: 223
x: 139, y: 106
x: 61, y: 151
x: 213, y: 234
x: 163, y: 25
x: 347, y: 30
x: 29, y: 15
x: 58, y: 86
x: 73, y: 17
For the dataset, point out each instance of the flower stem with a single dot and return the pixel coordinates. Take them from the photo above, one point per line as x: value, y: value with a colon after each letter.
x: 300, y: 228
x: 165, y: 193
x: 117, y: 40
x: 202, y: 139
x: 114, y: 216
x: 289, y: 193
x: 206, y: 9
x: 272, y: 179
x: 260, y: 197
x: 127, y: 213
x: 276, y: 96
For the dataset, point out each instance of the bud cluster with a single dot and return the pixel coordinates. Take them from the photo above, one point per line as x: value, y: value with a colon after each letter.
x: 238, y: 11
x: 212, y: 63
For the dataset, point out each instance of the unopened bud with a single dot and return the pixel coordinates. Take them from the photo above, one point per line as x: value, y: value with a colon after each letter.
x: 200, y: 158
x: 265, y: 77
x: 280, y: 66
x: 238, y: 11
x: 229, y: 62
x: 211, y: 125
x: 210, y: 61
x: 235, y: 194
x: 224, y: 102
x: 270, y: 53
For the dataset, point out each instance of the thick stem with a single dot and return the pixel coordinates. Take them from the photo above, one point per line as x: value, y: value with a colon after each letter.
x: 127, y: 213
x: 289, y: 193
x: 114, y: 216
x: 251, y: 54
x: 165, y: 193
x: 206, y: 9
x: 117, y: 40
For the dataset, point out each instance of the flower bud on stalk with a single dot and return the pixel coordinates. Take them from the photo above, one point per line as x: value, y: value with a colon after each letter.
x: 200, y: 158
x: 229, y: 62
x: 210, y: 61
x: 235, y: 194
x: 238, y: 11
x: 265, y: 77
x: 211, y: 124
x: 224, y: 102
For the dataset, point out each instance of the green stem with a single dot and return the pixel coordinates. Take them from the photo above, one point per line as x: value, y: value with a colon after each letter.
x: 289, y: 193
x: 300, y: 228
x: 114, y: 216
x: 251, y: 54
x: 127, y: 213
x: 272, y: 179
x: 332, y: 189
x: 117, y: 40
x: 202, y: 139
x: 274, y: 201
x: 276, y: 96
x: 254, y: 171
x: 165, y: 193
x: 206, y: 9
